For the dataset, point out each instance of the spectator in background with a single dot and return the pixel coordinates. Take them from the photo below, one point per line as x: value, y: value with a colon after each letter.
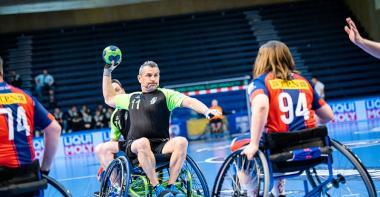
x: 319, y: 87
x: 44, y: 83
x: 75, y: 119
x: 368, y: 46
x: 101, y: 108
x: 216, y: 122
x: 99, y: 119
x: 108, y: 116
x: 58, y: 115
x: 15, y: 79
x: 51, y: 100
x: 87, y: 118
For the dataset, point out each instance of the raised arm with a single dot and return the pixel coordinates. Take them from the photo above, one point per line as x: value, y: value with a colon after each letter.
x: 108, y: 91
x: 371, y: 47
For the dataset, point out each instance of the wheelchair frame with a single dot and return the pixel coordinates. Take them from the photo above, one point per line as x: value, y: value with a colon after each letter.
x: 41, y: 184
x: 318, y: 187
x: 128, y: 173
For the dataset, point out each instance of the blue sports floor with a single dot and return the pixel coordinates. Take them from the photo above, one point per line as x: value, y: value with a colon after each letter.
x: 79, y: 174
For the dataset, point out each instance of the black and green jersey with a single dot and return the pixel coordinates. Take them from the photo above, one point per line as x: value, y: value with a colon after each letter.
x: 149, y: 113
x: 120, y: 124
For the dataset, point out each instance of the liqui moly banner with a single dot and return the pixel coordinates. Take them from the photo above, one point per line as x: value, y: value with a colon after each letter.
x: 356, y: 109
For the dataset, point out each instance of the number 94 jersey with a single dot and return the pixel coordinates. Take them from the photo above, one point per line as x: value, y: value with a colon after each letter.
x: 292, y: 103
x: 20, y: 114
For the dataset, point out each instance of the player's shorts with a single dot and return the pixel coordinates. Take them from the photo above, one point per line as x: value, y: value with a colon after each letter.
x: 156, y: 146
x: 216, y: 120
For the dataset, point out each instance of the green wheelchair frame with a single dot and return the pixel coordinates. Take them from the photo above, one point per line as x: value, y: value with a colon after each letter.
x: 124, y: 177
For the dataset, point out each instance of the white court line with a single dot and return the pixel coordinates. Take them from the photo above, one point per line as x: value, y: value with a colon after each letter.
x: 79, y: 177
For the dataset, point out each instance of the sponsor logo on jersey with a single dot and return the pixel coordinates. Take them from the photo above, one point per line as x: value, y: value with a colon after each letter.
x: 154, y: 99
x: 295, y: 84
x: 12, y: 98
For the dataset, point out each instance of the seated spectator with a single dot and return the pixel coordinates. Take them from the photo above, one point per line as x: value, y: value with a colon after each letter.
x: 99, y: 119
x: 216, y: 122
x: 51, y: 100
x: 108, y: 116
x: 75, y: 120
x: 101, y: 108
x: 44, y: 83
x: 15, y: 79
x: 87, y: 117
x: 58, y: 115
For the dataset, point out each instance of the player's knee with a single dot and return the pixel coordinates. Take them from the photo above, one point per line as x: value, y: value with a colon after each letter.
x: 142, y: 144
x: 181, y: 143
x: 98, y: 149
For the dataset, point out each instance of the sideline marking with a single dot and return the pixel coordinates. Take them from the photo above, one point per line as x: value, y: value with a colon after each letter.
x: 76, y: 178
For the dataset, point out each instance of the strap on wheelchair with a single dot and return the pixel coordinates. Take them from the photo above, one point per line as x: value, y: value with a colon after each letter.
x: 301, y: 154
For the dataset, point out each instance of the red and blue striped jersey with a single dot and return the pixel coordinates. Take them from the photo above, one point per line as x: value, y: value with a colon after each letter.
x: 20, y: 115
x: 292, y: 103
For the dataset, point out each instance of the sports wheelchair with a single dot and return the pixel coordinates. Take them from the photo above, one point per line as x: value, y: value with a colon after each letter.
x: 123, y: 177
x: 312, y: 163
x: 28, y: 181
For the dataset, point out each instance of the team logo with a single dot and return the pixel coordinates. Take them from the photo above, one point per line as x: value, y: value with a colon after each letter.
x: 154, y: 99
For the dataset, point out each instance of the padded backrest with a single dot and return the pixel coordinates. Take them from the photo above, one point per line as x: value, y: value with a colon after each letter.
x: 284, y: 142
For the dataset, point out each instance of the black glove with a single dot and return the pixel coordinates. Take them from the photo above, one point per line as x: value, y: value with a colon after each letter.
x: 108, y: 68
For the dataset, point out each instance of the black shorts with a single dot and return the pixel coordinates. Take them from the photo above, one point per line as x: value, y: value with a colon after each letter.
x: 216, y: 120
x: 156, y: 146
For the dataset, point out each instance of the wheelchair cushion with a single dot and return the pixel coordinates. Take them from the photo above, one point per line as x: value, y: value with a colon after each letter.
x: 26, y: 179
x: 285, y: 142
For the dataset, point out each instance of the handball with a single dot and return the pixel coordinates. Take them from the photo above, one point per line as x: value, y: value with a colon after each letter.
x: 112, y: 53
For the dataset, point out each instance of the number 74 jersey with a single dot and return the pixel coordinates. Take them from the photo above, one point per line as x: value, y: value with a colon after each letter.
x: 20, y: 115
x: 292, y: 103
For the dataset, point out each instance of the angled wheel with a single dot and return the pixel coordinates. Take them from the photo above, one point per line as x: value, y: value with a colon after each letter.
x: 240, y: 177
x: 350, y: 177
x: 54, y: 188
x: 116, y: 179
x: 191, y: 180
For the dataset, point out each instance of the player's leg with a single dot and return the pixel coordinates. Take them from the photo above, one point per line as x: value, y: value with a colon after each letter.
x: 141, y: 147
x: 105, y: 152
x: 178, y: 148
x: 219, y: 125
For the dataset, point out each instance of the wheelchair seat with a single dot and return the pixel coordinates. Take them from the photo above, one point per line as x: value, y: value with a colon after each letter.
x: 23, y: 181
x: 282, y: 147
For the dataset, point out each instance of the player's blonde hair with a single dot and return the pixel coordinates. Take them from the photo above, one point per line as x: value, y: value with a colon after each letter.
x: 275, y: 57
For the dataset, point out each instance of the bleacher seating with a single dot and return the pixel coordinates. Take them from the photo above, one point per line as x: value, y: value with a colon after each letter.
x: 202, y: 47
x: 315, y: 28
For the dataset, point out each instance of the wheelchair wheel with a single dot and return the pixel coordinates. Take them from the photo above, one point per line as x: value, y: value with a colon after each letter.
x: 54, y: 188
x: 240, y: 177
x: 350, y: 177
x: 191, y: 180
x: 116, y: 179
